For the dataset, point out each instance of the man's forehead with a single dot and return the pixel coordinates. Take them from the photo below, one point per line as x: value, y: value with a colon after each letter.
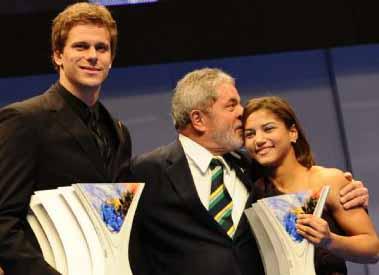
x: 227, y: 91
x: 87, y: 30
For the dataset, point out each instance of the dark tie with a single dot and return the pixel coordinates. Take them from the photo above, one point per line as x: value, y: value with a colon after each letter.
x: 220, y: 202
x: 101, y: 139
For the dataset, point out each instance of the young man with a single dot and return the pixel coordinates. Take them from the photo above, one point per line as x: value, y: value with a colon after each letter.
x: 61, y: 137
x: 189, y: 219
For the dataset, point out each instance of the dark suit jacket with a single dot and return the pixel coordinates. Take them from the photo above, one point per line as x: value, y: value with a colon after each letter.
x: 43, y: 145
x: 173, y: 233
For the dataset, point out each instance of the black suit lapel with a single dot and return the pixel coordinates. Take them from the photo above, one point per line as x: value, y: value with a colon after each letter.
x: 243, y: 225
x: 181, y: 179
x: 72, y: 124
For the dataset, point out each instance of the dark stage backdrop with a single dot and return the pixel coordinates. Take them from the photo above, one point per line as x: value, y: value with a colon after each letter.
x: 176, y: 31
x: 333, y: 92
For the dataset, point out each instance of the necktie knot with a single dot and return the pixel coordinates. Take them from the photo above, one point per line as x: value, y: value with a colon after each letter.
x: 93, y: 117
x: 215, y: 163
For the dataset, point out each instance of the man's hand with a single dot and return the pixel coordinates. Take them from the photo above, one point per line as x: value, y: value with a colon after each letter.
x: 354, y: 194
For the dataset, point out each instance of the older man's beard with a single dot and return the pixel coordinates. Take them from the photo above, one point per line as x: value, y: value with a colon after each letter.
x: 228, y: 138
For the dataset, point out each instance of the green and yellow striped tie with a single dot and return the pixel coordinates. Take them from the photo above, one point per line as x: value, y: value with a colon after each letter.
x: 220, y: 202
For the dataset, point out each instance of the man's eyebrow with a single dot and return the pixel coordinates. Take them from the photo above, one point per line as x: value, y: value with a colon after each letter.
x: 233, y: 100
x: 79, y: 43
x: 102, y: 44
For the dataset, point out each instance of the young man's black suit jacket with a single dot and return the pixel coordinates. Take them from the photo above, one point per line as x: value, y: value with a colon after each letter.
x: 173, y: 233
x: 43, y: 145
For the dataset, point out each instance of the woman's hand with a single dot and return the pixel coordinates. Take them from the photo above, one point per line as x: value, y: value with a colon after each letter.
x: 314, y: 229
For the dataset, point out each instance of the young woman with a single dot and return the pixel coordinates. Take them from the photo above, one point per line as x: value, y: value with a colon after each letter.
x: 275, y: 139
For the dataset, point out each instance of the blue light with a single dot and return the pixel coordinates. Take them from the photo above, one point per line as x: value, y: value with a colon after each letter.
x: 121, y: 2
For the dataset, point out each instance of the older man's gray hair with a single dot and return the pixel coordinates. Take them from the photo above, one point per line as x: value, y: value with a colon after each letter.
x: 197, y: 90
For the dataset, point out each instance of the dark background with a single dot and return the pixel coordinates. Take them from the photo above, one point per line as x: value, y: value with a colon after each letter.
x: 179, y: 30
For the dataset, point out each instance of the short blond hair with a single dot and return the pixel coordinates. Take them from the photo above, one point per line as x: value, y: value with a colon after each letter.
x: 77, y: 14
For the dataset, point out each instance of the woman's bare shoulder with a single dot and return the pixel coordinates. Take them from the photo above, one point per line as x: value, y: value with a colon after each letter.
x: 328, y: 176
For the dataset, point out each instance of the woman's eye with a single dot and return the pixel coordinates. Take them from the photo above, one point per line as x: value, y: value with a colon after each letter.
x: 269, y: 129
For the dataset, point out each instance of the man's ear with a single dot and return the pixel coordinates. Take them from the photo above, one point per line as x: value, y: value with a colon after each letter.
x: 58, y: 58
x: 198, y: 120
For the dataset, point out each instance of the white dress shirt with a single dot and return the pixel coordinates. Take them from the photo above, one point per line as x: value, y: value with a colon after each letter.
x: 199, y: 159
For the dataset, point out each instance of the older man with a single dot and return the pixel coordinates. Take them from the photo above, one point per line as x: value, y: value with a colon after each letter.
x: 190, y: 218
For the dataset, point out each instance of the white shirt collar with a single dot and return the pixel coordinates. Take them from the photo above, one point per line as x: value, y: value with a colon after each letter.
x: 199, y: 155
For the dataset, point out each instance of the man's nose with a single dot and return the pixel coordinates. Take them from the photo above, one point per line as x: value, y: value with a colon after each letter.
x: 239, y: 110
x: 92, y: 55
